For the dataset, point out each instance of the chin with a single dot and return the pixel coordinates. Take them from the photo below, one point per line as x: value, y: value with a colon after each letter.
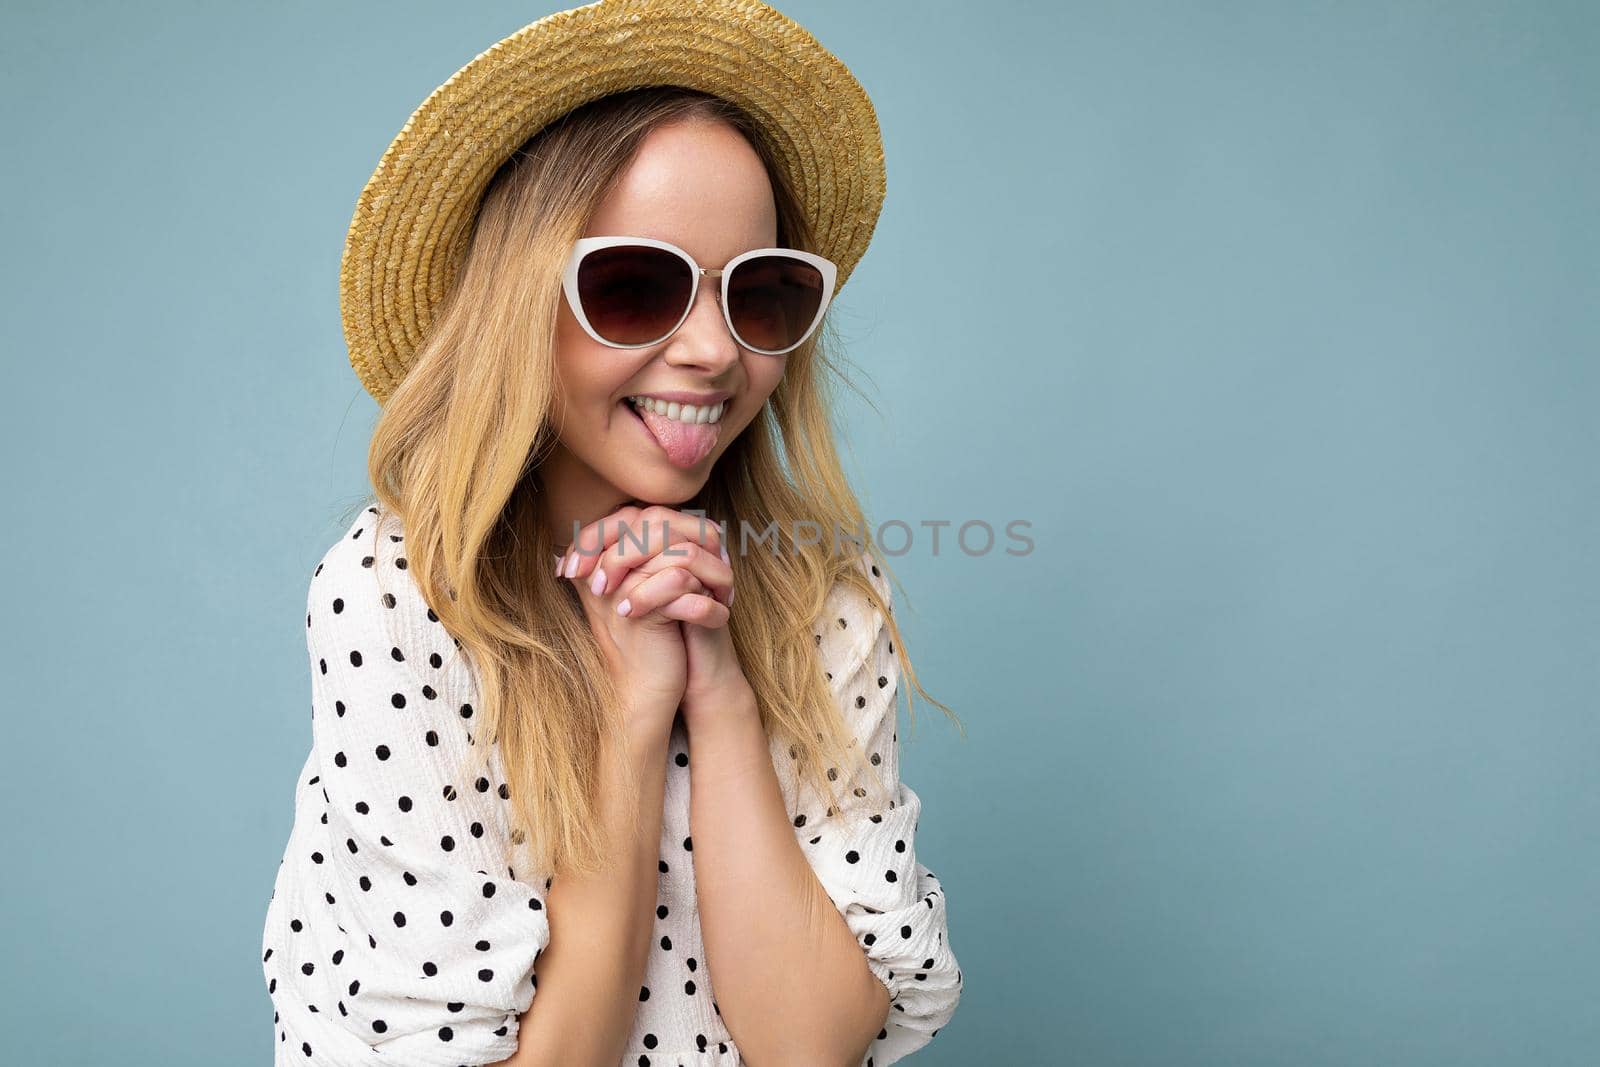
x: 666, y: 494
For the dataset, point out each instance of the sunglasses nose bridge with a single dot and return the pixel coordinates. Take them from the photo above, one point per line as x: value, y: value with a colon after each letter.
x: 714, y: 275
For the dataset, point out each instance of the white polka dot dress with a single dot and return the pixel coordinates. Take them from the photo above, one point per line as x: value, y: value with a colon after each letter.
x: 396, y: 930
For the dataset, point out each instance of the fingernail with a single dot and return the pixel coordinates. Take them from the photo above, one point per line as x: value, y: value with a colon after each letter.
x: 624, y: 607
x: 572, y: 565
x: 598, y: 586
x: 725, y: 553
x: 731, y: 594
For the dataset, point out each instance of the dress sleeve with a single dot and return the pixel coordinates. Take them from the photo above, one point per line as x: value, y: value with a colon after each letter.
x: 865, y: 857
x: 424, y: 943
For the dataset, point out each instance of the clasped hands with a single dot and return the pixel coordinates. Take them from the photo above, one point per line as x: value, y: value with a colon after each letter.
x: 645, y: 568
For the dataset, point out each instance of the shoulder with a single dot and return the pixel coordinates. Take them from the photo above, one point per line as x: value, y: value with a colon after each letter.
x: 361, y: 582
x: 856, y: 652
x: 856, y: 647
x: 372, y: 543
x: 853, y: 621
x: 363, y: 591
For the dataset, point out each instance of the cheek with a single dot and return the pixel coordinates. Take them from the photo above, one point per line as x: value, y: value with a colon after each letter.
x: 591, y: 381
x: 764, y: 377
x: 582, y: 364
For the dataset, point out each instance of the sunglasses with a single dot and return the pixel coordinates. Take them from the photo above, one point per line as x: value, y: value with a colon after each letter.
x: 634, y: 292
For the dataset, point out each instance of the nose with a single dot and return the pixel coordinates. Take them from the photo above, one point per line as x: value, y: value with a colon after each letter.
x: 704, y: 340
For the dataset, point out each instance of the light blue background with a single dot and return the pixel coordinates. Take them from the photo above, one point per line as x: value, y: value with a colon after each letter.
x: 1277, y: 321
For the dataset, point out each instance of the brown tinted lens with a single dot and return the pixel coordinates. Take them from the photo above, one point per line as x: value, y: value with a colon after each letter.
x: 633, y: 294
x: 772, y: 300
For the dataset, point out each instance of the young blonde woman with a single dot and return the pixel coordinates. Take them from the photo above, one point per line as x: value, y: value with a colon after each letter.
x: 570, y: 800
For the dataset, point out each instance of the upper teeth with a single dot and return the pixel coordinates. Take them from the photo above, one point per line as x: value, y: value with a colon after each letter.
x: 682, y: 412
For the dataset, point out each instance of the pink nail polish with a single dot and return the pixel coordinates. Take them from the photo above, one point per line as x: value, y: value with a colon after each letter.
x: 624, y: 607
x: 598, y: 585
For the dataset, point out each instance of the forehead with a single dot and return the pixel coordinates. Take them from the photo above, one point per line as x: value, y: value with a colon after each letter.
x: 697, y: 184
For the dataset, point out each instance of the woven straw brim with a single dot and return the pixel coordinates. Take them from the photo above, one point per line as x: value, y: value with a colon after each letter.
x: 413, y: 220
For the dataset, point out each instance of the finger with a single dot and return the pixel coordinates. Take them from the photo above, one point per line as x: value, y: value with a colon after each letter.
x: 715, y: 575
x: 660, y: 588
x: 699, y: 609
x: 593, y: 538
x: 659, y: 532
x: 610, y: 576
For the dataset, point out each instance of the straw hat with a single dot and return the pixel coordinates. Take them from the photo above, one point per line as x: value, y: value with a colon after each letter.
x: 413, y: 220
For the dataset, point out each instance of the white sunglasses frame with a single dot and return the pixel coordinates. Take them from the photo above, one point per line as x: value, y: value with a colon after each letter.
x: 584, y: 245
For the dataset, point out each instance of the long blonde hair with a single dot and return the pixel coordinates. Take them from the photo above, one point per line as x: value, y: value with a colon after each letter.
x: 456, y: 452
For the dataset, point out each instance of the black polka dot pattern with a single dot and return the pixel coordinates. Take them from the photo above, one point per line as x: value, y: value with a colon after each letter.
x: 396, y: 930
x: 379, y: 936
x: 865, y: 855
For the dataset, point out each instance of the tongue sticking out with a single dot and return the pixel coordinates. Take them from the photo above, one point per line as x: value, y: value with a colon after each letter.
x: 684, y: 444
